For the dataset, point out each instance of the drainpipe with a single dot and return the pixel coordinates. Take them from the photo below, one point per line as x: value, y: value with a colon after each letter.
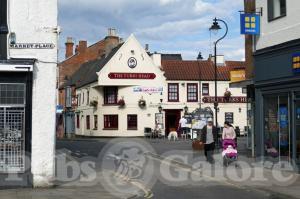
x: 3, y: 30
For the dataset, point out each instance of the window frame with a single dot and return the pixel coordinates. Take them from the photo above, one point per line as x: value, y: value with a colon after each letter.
x: 177, y: 93
x: 105, y: 90
x: 206, y: 84
x: 197, y: 92
x: 106, y: 127
x: 133, y: 127
x: 88, y: 122
x: 95, y: 122
x: 87, y: 97
x: 271, y: 17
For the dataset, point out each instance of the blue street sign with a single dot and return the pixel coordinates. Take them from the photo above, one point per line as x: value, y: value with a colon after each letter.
x: 296, y: 63
x: 250, y: 24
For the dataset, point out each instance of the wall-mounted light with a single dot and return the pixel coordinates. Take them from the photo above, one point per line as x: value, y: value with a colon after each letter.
x: 218, y: 109
x: 160, y: 108
x: 12, y: 38
x: 132, y: 52
x: 240, y: 109
x: 186, y: 109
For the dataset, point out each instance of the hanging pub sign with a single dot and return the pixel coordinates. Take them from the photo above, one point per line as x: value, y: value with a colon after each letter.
x: 250, y: 24
x: 147, y: 76
x: 296, y: 63
x: 225, y: 100
x: 32, y: 46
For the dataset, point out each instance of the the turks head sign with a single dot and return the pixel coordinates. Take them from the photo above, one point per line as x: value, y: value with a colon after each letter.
x: 225, y: 100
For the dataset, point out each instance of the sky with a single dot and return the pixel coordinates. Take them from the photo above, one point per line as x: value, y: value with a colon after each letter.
x: 168, y: 26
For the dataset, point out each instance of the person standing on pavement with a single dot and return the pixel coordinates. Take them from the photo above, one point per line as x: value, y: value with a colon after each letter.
x: 209, y: 138
x: 182, y: 125
x: 228, y: 132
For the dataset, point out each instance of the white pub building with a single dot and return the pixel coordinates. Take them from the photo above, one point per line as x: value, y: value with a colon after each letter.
x: 130, y: 89
x: 28, y: 57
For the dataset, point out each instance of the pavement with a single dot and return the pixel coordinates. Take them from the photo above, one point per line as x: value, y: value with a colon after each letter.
x: 164, y: 186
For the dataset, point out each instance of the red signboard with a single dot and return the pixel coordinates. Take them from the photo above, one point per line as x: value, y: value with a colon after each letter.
x: 225, y: 100
x: 131, y: 75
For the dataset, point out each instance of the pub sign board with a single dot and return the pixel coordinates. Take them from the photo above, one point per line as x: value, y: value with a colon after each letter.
x: 145, y: 76
x: 225, y: 100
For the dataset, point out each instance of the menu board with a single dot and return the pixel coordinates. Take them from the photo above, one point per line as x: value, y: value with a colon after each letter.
x: 229, y: 117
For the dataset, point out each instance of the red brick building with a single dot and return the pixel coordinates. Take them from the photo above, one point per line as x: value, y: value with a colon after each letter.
x: 74, y: 58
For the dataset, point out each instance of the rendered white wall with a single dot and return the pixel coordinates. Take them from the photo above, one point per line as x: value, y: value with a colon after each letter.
x: 35, y: 21
x: 281, y: 30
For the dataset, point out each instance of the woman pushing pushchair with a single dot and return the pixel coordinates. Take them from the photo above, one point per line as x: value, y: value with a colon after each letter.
x: 229, y: 144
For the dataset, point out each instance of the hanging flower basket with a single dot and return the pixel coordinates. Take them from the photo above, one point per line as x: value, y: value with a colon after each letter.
x: 227, y: 95
x: 94, y: 103
x: 121, y: 103
x: 142, y: 103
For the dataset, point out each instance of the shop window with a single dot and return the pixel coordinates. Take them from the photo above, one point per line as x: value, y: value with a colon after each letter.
x: 132, y: 122
x: 111, y: 122
x: 205, y: 89
x: 192, y: 92
x: 88, y: 126
x: 173, y: 92
x: 78, y: 121
x: 276, y: 9
x: 110, y: 95
x: 95, y: 122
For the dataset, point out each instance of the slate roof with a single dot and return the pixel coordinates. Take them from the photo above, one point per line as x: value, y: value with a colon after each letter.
x: 198, y: 70
x: 87, y: 73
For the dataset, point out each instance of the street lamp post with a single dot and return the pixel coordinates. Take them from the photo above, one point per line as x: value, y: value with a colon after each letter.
x: 214, y: 28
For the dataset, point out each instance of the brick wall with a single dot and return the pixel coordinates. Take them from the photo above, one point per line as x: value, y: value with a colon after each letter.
x: 82, y: 54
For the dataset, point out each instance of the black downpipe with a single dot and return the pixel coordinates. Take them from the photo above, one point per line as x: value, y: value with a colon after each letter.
x: 3, y: 29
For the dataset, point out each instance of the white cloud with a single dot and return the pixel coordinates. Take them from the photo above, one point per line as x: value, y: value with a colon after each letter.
x: 167, y: 25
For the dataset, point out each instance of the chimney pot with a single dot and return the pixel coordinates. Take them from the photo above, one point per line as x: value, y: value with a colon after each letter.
x: 112, y: 32
x: 69, y: 47
x: 147, y: 47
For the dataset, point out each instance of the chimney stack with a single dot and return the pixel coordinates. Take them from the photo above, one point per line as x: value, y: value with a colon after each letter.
x: 69, y: 47
x: 82, y: 46
x: 111, y: 41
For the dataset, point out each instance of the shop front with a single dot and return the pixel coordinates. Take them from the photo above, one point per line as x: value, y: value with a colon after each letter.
x: 277, y: 105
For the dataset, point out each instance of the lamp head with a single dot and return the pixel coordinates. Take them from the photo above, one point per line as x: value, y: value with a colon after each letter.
x: 215, y: 27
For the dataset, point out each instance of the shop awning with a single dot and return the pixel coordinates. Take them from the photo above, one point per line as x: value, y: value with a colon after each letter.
x: 17, y: 65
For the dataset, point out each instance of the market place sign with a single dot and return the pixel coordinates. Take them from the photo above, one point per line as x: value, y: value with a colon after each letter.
x: 147, y: 76
x: 32, y: 46
x: 225, y: 100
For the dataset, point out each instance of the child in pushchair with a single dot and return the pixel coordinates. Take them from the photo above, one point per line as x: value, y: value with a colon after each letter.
x: 229, y: 152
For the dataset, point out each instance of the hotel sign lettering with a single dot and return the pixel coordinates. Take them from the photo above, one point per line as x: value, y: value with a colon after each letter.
x: 225, y: 100
x: 147, y: 76
x: 32, y: 46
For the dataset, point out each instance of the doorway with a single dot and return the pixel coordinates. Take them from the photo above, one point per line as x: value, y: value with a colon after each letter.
x: 15, y: 128
x: 277, y: 127
x: 172, y: 120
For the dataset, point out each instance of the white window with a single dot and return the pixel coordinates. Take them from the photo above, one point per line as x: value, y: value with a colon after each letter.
x: 276, y: 9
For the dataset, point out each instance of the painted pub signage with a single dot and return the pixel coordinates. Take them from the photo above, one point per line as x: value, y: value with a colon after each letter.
x: 225, y: 100
x: 132, y: 76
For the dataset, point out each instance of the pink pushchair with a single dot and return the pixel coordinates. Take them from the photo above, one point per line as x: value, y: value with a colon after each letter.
x: 229, y: 152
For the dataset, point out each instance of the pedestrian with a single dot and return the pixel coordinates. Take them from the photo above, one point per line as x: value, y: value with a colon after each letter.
x: 209, y: 138
x: 228, y: 131
x: 182, y: 125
